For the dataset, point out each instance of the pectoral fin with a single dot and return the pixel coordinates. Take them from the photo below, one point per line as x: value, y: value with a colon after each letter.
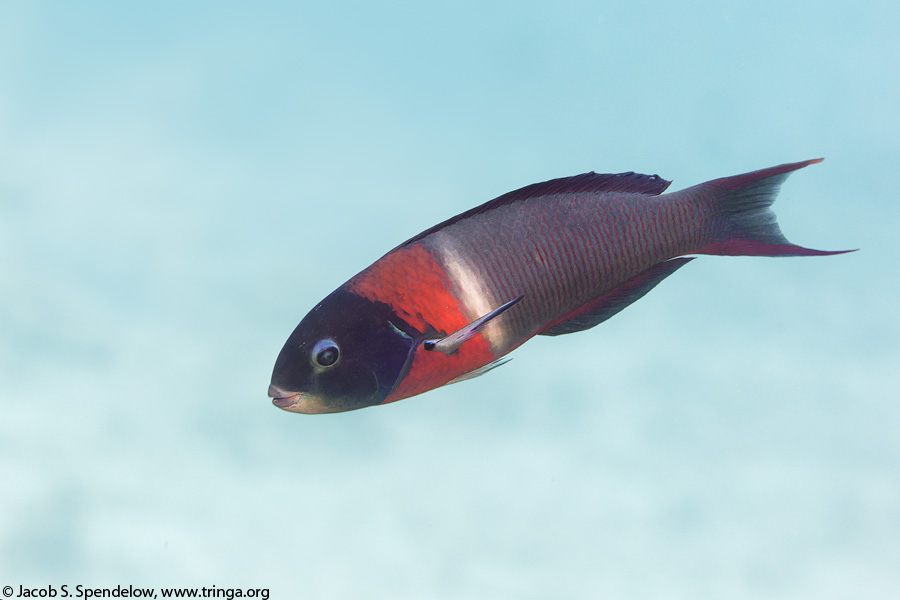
x: 452, y: 342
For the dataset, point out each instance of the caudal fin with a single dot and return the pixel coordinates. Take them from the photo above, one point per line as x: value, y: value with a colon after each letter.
x: 746, y: 225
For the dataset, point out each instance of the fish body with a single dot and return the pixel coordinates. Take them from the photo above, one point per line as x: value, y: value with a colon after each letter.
x: 548, y: 259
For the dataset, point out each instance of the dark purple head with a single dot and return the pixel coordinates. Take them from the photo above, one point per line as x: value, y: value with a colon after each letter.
x: 347, y: 353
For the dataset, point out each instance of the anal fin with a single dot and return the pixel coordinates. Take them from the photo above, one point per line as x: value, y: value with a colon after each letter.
x: 600, y: 309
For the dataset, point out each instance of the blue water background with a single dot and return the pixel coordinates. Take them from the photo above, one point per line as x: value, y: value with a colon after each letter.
x: 181, y: 182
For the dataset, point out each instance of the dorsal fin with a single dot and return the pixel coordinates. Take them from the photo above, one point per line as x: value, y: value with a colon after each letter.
x: 635, y: 183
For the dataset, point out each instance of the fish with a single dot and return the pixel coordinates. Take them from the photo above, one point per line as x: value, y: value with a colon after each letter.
x: 551, y: 258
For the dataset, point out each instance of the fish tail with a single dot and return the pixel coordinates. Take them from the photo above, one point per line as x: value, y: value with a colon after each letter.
x: 744, y: 223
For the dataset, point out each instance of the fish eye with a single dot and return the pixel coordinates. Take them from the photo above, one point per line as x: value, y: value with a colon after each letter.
x: 325, y: 353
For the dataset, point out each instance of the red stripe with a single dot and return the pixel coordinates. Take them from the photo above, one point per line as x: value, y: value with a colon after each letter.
x: 417, y: 288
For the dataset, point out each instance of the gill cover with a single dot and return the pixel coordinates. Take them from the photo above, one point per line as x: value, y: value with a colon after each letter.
x: 347, y: 353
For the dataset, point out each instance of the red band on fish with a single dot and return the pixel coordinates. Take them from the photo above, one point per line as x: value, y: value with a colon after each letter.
x: 417, y: 288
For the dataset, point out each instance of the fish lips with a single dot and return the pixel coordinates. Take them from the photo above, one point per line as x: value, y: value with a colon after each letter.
x: 300, y: 402
x: 283, y: 398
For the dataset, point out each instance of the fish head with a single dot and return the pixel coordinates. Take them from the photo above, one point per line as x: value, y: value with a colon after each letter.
x: 347, y: 353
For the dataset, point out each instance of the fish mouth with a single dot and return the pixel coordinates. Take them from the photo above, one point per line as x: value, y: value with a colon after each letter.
x: 299, y: 402
x: 283, y: 398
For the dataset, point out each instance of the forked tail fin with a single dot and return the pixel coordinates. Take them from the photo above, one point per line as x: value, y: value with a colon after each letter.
x: 745, y: 224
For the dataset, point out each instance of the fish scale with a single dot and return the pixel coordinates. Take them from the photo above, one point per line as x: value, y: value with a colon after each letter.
x: 591, y: 243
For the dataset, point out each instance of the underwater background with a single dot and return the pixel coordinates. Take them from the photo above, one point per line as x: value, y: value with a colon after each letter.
x: 181, y: 182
